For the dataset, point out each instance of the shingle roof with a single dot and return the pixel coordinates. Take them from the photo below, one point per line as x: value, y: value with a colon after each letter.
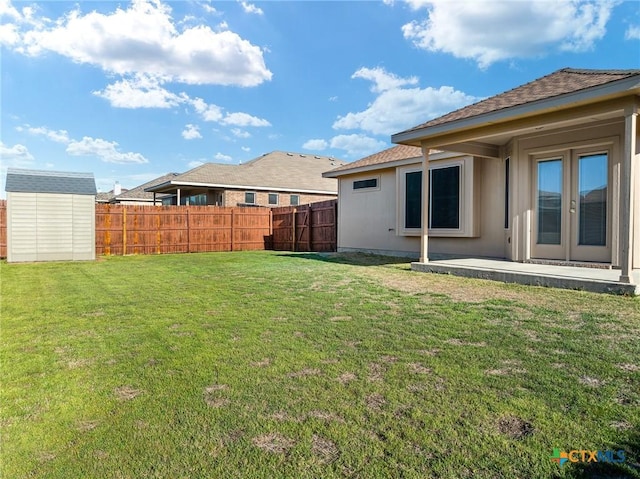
x: 139, y: 193
x: 567, y: 80
x: 44, y: 181
x: 278, y: 170
x: 395, y: 153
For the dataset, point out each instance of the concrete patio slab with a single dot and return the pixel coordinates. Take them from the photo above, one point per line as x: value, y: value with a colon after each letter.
x: 568, y: 277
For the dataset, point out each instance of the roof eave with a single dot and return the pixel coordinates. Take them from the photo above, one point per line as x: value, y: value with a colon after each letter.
x: 389, y: 164
x: 178, y: 184
x: 602, y: 92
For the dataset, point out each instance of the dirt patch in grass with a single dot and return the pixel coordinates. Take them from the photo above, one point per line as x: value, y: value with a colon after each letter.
x: 324, y: 449
x: 591, y: 382
x: 346, y: 378
x: 274, y: 443
x: 126, y: 393
x: 514, y: 427
x: 84, y: 426
x: 375, y: 401
x: 460, y: 342
x: 630, y: 368
x: 324, y: 416
x: 376, y: 372
x: 79, y: 363
x: 418, y: 368
x: 336, y: 319
x: 262, y: 363
x: 213, y: 395
x: 429, y: 352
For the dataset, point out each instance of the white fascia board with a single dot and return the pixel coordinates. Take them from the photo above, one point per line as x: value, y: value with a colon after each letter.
x: 518, y: 111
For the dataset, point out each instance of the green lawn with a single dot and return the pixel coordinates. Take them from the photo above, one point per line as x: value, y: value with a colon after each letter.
x: 267, y: 365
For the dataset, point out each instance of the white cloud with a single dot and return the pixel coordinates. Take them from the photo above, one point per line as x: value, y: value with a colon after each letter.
x: 632, y: 33
x: 195, y: 163
x: 209, y: 9
x: 243, y: 119
x: 383, y: 80
x: 237, y: 132
x: 59, y: 136
x: 395, y: 108
x: 16, y: 156
x: 246, y: 149
x: 223, y: 158
x: 251, y: 8
x: 191, y: 132
x: 206, y: 111
x: 316, y: 144
x: 107, y: 151
x: 357, y: 145
x: 140, y: 91
x: 143, y: 39
x: 488, y: 31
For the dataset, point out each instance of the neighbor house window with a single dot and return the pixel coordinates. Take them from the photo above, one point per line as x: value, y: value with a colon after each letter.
x: 250, y: 197
x: 363, y: 184
x: 506, y: 193
x: 199, y: 200
x: 273, y: 198
x: 413, y: 200
x: 294, y: 200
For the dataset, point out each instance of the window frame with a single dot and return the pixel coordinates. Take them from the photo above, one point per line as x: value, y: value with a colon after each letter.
x: 469, y: 199
x: 255, y: 197
x: 366, y: 188
x: 291, y: 202
x: 277, y: 196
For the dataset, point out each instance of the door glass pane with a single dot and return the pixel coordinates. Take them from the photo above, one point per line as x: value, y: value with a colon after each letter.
x: 550, y: 201
x: 592, y: 188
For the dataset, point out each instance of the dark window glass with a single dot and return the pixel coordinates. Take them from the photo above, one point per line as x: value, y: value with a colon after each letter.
x: 413, y: 200
x: 273, y: 198
x: 294, y: 200
x: 249, y: 198
x: 445, y: 197
x: 370, y: 183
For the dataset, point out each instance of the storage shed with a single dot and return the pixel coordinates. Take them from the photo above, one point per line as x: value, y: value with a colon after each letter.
x: 50, y: 215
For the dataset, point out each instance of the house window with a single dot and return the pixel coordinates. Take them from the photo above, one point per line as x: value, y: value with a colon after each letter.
x: 198, y: 200
x: 294, y: 200
x: 273, y: 198
x: 444, y: 204
x: 413, y: 200
x: 363, y: 184
x: 250, y: 197
x: 452, y: 202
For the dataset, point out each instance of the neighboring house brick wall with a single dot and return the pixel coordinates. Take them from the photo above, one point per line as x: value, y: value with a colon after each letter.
x: 235, y: 197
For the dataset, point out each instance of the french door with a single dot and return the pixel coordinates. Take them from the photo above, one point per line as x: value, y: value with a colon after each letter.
x: 572, y: 206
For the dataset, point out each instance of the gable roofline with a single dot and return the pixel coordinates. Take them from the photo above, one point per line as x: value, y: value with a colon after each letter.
x: 628, y: 85
x: 191, y: 184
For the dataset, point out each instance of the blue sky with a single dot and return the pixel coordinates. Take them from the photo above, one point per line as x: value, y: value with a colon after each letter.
x: 133, y: 90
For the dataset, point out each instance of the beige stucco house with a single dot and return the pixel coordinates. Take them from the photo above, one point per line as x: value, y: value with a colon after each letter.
x: 278, y: 178
x: 545, y: 173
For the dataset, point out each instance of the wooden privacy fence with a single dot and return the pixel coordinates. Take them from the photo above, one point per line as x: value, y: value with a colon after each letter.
x: 141, y: 229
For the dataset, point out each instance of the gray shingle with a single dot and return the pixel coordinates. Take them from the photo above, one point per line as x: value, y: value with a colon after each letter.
x: 44, y: 181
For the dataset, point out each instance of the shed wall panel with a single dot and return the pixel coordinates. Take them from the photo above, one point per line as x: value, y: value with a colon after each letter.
x: 84, y: 227
x: 21, y: 227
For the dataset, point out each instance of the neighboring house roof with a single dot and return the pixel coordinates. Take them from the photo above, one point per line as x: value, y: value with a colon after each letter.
x: 139, y: 193
x: 44, y: 181
x: 276, y: 171
x: 104, y: 196
x: 564, y: 86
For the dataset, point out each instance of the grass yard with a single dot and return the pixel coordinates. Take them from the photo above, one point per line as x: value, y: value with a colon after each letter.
x: 280, y: 365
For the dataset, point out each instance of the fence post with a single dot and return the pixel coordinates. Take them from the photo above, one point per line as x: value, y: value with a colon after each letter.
x: 271, y: 241
x: 335, y: 225
x: 124, y: 231
x: 158, y: 235
x: 310, y: 227
x: 188, y: 232
x: 107, y: 233
x: 293, y: 229
x: 231, y: 225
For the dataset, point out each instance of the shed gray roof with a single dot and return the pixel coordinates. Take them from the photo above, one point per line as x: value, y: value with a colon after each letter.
x: 45, y: 181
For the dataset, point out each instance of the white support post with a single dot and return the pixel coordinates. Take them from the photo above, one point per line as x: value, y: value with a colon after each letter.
x: 627, y: 195
x: 178, y: 197
x: 424, y: 239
